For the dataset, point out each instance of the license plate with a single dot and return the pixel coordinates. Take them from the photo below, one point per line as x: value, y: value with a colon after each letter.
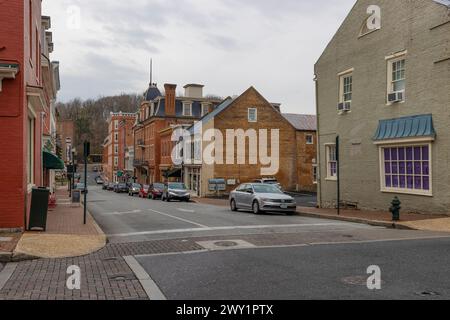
x: 284, y: 206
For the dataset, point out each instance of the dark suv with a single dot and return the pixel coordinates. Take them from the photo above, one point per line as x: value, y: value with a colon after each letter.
x: 121, y: 188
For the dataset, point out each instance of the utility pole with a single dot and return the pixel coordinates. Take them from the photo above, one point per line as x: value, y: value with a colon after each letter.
x: 87, y: 151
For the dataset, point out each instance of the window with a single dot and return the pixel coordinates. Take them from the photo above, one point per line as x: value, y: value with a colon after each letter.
x: 116, y: 137
x: 331, y: 162
x: 116, y: 149
x: 309, y: 139
x: 116, y: 124
x: 314, y: 172
x: 398, y: 75
x: 346, y: 88
x: 252, y: 115
x: 187, y: 109
x: 30, y: 153
x: 406, y: 169
x: 205, y: 109
x: 116, y: 161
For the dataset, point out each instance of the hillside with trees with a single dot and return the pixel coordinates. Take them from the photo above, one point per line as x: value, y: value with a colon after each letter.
x: 90, y: 117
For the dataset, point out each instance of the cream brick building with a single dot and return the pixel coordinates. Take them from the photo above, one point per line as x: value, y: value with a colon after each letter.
x: 383, y: 87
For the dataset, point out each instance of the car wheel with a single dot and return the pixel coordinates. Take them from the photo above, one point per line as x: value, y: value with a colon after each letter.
x: 233, y: 206
x: 292, y: 213
x: 255, y: 207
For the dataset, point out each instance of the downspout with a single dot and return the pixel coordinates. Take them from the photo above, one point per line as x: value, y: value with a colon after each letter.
x: 319, y: 164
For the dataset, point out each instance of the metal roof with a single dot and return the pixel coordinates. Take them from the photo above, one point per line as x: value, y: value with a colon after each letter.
x: 302, y: 122
x: 444, y: 2
x: 406, y: 127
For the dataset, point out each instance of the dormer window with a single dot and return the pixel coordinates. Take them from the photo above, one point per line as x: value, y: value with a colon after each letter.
x: 187, y: 109
x: 205, y: 109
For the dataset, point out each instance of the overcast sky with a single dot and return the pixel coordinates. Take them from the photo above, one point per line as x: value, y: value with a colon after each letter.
x: 227, y: 45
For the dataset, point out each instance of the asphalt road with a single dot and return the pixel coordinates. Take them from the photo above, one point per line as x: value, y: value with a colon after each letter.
x: 282, y: 257
x: 409, y: 270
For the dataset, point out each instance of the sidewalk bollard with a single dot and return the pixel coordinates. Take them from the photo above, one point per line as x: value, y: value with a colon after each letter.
x: 395, y: 209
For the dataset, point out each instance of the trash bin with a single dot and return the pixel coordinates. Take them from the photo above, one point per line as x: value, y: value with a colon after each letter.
x: 39, y: 209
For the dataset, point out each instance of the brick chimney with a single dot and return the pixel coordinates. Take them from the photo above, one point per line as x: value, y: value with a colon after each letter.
x: 170, y: 99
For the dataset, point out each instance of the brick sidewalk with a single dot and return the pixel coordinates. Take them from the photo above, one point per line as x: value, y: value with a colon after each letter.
x: 66, y: 235
x: 104, y: 275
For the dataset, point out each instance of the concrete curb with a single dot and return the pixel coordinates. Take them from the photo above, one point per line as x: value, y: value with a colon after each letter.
x: 390, y: 225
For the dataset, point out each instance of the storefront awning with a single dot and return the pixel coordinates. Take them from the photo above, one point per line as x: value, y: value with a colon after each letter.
x: 174, y: 173
x: 52, y: 162
x: 420, y: 126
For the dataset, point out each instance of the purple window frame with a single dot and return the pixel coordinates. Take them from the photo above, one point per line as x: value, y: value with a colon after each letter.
x: 407, y: 168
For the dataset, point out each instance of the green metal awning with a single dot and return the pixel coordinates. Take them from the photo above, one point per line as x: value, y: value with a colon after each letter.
x: 52, y: 162
x: 420, y: 126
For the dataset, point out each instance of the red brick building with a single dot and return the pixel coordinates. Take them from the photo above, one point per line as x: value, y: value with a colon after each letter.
x: 28, y: 85
x: 117, y: 145
x: 158, y: 113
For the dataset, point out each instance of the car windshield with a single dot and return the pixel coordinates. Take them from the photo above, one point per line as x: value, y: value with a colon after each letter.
x: 177, y: 186
x: 146, y: 187
x: 265, y: 188
x: 122, y: 185
x: 158, y: 186
x: 136, y: 185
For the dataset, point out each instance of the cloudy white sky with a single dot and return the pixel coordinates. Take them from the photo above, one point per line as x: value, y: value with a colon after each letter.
x: 227, y: 45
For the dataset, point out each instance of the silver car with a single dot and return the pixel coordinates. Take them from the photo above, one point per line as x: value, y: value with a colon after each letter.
x: 260, y: 197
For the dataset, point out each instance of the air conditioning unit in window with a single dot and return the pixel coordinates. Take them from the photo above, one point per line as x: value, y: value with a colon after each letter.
x: 398, y: 96
x: 344, y: 106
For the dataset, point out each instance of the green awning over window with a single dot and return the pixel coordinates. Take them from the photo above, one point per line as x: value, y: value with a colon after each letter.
x: 420, y: 126
x: 52, y: 162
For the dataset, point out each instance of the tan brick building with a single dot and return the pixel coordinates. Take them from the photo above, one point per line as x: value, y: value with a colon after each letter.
x: 383, y: 88
x: 256, y: 118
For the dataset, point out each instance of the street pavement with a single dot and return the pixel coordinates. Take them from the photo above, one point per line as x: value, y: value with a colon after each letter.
x: 409, y: 270
x: 199, y: 251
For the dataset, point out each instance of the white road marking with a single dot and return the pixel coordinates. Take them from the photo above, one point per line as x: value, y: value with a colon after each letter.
x: 151, y: 288
x: 185, y: 210
x: 178, y: 218
x: 119, y: 213
x: 203, y: 229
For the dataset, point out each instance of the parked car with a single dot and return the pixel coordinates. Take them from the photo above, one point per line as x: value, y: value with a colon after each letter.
x: 175, y: 191
x: 272, y: 181
x: 156, y: 191
x: 99, y: 180
x: 95, y: 169
x: 105, y: 185
x: 260, y: 197
x: 111, y: 186
x: 134, y: 189
x: 144, y: 191
x: 120, y: 188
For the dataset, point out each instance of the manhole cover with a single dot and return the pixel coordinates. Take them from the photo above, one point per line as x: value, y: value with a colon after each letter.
x: 226, y: 244
x: 347, y: 236
x: 121, y: 277
x: 110, y: 259
x: 427, y: 294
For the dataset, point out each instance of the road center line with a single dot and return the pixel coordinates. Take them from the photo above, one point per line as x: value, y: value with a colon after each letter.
x: 178, y: 218
x: 119, y: 213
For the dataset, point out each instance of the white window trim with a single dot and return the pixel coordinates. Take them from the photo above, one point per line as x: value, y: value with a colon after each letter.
x: 312, y: 139
x: 205, y: 109
x: 390, y: 60
x: 342, y: 76
x: 384, y: 189
x: 187, y: 106
x: 256, y: 115
x: 327, y: 155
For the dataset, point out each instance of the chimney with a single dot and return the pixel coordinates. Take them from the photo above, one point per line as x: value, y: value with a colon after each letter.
x: 170, y: 99
x: 193, y: 91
